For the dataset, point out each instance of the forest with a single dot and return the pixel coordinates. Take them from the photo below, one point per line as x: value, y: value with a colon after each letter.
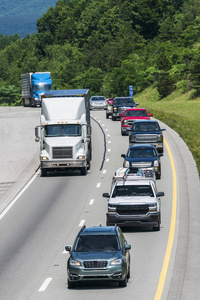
x: 106, y: 46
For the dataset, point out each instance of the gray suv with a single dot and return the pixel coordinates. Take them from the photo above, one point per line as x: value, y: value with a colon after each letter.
x: 99, y: 253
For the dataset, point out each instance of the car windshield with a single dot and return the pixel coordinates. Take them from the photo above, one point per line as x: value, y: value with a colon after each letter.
x: 141, y: 153
x: 145, y: 126
x: 136, y: 113
x: 63, y: 130
x: 123, y: 101
x: 133, y: 190
x: 98, y: 98
x: 86, y: 243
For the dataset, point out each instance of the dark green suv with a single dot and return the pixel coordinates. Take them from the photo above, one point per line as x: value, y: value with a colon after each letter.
x: 99, y: 253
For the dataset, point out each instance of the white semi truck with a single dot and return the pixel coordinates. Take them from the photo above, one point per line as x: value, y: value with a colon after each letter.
x: 65, y: 131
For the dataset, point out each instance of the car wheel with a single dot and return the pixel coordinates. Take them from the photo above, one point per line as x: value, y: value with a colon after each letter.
x: 123, y: 283
x: 129, y: 273
x: 71, y: 284
x: 113, y: 118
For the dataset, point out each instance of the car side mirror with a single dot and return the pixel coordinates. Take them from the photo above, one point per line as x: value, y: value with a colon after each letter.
x: 68, y: 248
x: 160, y: 154
x: 127, y: 247
x: 106, y: 195
x: 123, y: 155
x: 160, y: 194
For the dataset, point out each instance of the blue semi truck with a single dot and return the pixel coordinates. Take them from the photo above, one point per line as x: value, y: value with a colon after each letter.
x: 34, y: 85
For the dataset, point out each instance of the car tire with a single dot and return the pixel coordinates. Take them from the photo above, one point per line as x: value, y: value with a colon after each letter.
x: 123, y: 283
x: 113, y: 118
x: 107, y: 116
x: 71, y: 284
x: 129, y: 273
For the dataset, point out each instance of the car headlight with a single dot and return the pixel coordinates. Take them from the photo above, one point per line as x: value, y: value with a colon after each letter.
x: 43, y: 158
x: 116, y: 262
x: 125, y: 121
x: 156, y: 163
x: 74, y: 263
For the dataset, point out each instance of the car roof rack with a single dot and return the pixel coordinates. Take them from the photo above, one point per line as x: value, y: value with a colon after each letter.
x: 142, y: 173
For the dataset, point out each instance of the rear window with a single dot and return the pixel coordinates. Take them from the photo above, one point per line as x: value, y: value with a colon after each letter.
x: 86, y: 243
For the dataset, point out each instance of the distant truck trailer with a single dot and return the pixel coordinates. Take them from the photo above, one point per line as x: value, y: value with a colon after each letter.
x: 34, y: 85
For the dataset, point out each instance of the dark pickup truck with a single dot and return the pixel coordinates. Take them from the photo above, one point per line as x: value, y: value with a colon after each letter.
x: 120, y: 104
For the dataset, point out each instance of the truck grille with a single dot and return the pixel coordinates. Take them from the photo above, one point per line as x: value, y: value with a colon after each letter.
x: 62, y: 152
x: 146, y: 138
x: 145, y: 164
x: 95, y: 264
x: 132, y: 209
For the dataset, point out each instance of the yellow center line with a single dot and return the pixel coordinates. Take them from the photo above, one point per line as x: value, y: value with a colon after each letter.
x: 165, y: 266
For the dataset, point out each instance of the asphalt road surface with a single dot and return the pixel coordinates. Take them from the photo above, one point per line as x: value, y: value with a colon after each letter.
x: 38, y: 218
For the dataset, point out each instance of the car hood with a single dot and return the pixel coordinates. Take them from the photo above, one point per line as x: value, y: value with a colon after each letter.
x: 136, y: 118
x: 96, y: 255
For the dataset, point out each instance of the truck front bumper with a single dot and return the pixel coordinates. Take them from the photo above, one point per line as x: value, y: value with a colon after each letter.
x: 146, y: 220
x: 57, y: 164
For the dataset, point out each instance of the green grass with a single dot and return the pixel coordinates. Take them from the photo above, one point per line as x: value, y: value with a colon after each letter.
x: 180, y: 112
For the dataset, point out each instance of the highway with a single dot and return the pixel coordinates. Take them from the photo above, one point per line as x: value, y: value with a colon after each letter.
x: 48, y: 213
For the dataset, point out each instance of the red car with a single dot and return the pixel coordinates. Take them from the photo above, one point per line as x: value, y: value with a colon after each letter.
x: 133, y: 114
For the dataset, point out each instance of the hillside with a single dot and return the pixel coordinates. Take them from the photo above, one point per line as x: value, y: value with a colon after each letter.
x: 20, y: 16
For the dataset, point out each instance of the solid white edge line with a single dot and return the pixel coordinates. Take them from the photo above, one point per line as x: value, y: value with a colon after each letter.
x: 17, y: 197
x: 44, y: 285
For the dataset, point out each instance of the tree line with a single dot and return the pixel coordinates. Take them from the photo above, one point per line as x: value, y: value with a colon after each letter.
x: 106, y: 46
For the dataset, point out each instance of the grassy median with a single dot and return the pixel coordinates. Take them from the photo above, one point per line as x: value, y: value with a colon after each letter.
x: 180, y: 112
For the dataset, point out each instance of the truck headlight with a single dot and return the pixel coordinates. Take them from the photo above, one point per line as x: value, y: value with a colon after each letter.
x: 111, y: 209
x: 115, y: 108
x: 109, y: 107
x: 125, y: 121
x: 43, y: 158
x: 159, y: 138
x: 132, y: 138
x: 74, y: 263
x: 156, y: 163
x: 126, y: 164
x: 81, y: 156
x: 116, y: 262
x: 153, y: 207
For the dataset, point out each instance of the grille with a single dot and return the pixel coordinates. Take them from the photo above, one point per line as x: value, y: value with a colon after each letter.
x: 95, y: 264
x: 141, y: 164
x: 62, y: 152
x: 146, y: 137
x: 132, y: 209
x: 130, y: 122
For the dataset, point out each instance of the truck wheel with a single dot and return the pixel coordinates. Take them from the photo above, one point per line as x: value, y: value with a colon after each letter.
x: 107, y: 116
x: 43, y: 172
x: 113, y: 118
x: 123, y: 133
x: 83, y: 171
x: 158, y: 175
x: 157, y: 228
x: 88, y: 164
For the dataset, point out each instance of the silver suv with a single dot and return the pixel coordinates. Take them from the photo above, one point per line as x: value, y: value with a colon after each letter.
x: 134, y: 200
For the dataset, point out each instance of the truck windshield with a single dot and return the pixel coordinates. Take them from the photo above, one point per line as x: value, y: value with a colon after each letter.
x: 145, y: 127
x: 123, y: 101
x: 42, y: 87
x: 141, y: 153
x: 133, y: 190
x: 63, y: 130
x: 88, y: 243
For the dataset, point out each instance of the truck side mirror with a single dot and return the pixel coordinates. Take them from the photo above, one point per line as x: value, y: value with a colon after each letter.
x: 68, y: 248
x: 106, y: 195
x: 160, y: 194
x: 37, y: 138
x: 123, y: 155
